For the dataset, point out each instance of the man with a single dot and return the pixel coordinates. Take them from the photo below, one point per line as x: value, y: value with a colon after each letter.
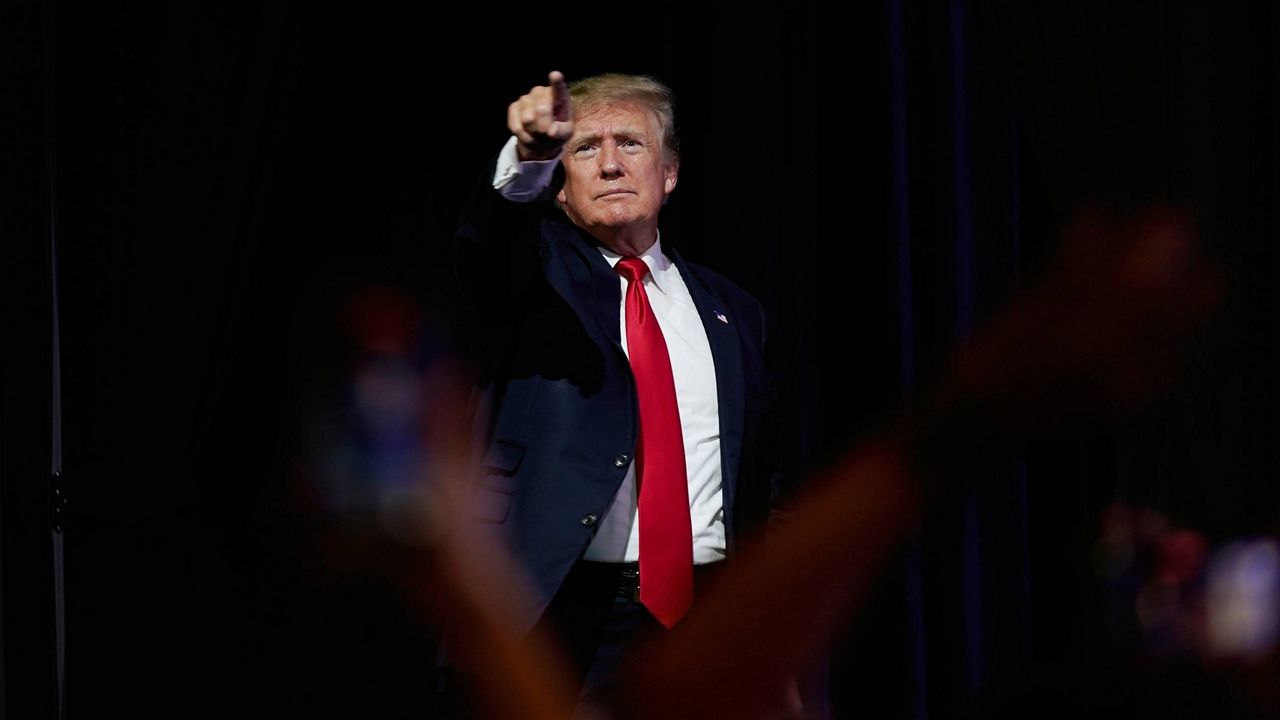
x: 626, y: 414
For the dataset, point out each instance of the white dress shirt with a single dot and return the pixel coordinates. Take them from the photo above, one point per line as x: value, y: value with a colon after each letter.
x: 692, y: 366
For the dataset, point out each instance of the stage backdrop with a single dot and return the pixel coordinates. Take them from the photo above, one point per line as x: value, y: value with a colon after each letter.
x: 253, y: 209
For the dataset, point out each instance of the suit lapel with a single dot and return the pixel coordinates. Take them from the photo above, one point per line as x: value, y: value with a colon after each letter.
x: 582, y: 276
x: 726, y: 350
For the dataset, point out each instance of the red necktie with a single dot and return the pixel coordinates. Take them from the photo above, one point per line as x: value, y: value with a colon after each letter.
x: 666, y: 535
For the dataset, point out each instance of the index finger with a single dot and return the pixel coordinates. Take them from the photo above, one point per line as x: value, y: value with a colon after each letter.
x: 560, y: 103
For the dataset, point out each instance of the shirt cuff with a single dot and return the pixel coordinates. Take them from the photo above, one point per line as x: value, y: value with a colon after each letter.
x: 522, y: 181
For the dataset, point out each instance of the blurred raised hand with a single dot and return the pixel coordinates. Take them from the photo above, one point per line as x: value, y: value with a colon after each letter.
x: 1098, y: 336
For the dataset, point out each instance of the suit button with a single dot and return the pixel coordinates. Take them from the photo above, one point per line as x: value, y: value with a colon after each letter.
x: 589, y: 519
x: 621, y: 460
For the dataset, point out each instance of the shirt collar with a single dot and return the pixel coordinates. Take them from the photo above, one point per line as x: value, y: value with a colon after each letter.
x: 659, y: 264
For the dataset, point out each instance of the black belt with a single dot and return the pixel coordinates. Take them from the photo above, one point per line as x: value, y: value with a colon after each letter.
x: 624, y: 578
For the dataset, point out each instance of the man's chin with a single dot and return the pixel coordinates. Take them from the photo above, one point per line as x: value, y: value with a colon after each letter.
x: 615, y: 222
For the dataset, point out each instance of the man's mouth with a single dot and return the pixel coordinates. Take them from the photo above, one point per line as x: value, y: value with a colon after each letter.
x: 607, y: 193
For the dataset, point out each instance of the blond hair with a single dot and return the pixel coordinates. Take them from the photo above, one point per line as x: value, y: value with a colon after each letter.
x: 599, y: 90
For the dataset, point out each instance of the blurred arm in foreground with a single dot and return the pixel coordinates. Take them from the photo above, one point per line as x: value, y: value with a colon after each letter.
x: 1099, y: 336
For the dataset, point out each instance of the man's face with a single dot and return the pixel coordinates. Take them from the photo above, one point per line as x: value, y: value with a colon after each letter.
x: 616, y: 172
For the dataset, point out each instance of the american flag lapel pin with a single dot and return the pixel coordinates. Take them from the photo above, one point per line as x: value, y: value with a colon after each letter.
x: 721, y: 317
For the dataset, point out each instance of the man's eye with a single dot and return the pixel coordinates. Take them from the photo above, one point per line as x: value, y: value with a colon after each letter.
x: 583, y: 149
x: 631, y: 143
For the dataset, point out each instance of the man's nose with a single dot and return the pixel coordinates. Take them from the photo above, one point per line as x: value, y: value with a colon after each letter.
x: 610, y: 161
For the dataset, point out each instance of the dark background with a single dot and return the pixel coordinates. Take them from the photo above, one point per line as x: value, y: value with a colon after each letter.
x: 219, y: 182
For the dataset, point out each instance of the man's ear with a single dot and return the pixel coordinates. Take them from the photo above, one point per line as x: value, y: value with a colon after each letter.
x: 672, y: 174
x: 560, y: 196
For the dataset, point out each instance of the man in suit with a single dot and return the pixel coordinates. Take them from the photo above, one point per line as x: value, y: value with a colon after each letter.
x: 626, y: 423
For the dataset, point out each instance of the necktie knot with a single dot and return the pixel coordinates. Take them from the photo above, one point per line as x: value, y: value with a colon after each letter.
x: 632, y: 268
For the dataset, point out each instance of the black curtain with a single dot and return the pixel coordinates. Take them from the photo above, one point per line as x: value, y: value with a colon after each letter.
x: 243, y: 197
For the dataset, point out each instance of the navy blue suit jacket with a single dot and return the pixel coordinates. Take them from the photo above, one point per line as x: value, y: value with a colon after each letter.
x: 558, y: 408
